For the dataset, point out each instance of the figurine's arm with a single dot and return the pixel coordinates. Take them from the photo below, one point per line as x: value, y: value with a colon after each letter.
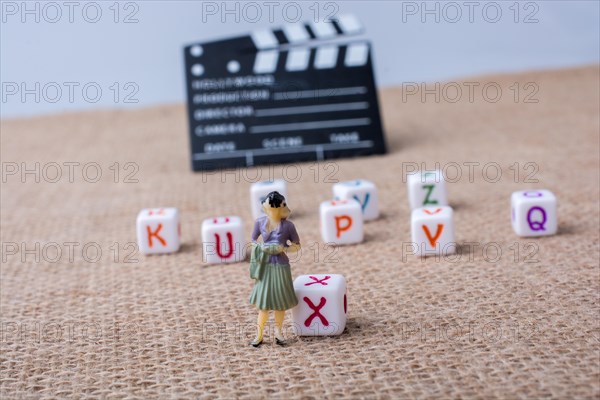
x: 292, y: 248
x: 294, y: 239
x: 255, y: 231
x: 272, y: 248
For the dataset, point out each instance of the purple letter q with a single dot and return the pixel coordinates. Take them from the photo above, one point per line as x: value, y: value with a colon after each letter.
x: 536, y: 225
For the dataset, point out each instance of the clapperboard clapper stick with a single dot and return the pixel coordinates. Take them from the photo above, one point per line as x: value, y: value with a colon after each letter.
x: 281, y: 96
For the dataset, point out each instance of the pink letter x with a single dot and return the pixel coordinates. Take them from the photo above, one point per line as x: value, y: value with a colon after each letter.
x: 317, y: 280
x: 316, y: 312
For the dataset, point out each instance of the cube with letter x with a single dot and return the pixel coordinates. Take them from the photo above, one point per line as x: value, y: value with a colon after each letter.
x: 322, y: 305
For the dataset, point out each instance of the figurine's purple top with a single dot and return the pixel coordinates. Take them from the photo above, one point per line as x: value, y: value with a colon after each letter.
x: 284, y: 232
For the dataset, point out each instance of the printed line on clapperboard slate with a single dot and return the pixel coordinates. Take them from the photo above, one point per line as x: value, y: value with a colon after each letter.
x: 301, y: 94
x: 302, y: 126
x: 271, y: 112
x: 319, y: 148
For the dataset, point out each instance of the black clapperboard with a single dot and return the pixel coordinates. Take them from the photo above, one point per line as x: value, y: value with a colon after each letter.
x: 281, y: 96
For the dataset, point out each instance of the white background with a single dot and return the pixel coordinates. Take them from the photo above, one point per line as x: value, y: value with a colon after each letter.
x: 456, y: 39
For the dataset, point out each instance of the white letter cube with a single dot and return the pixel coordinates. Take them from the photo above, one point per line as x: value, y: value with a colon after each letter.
x: 341, y: 221
x: 158, y: 230
x: 223, y: 240
x: 427, y: 189
x: 322, y: 305
x: 534, y: 213
x: 362, y: 191
x: 432, y: 230
x: 260, y: 190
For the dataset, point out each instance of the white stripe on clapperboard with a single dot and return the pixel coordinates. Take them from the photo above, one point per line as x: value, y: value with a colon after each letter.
x: 264, y: 39
x: 297, y: 59
x: 323, y: 29
x: 326, y: 57
x: 266, y: 61
x: 318, y: 148
x: 270, y: 112
x: 349, y: 24
x: 295, y: 33
x: 356, y: 55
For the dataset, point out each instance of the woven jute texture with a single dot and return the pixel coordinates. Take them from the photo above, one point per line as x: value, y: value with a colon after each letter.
x: 84, y: 315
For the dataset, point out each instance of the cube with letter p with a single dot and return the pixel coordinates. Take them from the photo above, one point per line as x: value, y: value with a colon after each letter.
x: 341, y: 221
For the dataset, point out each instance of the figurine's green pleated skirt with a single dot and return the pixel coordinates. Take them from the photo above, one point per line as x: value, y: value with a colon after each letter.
x: 275, y: 291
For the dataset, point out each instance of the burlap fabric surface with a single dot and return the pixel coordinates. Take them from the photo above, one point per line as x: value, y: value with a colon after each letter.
x: 489, y: 324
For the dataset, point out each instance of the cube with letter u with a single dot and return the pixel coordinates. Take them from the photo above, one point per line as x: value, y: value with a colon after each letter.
x: 223, y: 240
x: 322, y: 306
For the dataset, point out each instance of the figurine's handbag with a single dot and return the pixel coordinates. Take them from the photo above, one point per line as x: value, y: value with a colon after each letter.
x: 257, y: 261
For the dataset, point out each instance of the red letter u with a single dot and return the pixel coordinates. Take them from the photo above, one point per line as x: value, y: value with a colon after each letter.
x: 230, y: 240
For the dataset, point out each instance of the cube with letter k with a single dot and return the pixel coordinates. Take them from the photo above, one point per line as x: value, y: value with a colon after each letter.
x: 158, y: 230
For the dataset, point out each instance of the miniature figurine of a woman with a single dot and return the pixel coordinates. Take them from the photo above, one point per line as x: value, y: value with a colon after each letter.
x: 270, y: 266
